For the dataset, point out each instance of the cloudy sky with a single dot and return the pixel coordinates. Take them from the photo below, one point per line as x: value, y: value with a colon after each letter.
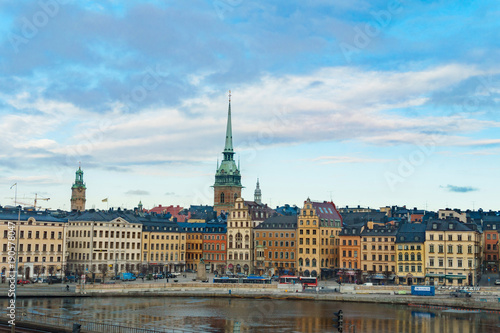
x: 369, y: 103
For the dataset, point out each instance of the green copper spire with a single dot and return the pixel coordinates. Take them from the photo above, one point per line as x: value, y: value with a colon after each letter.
x: 228, y: 174
x: 79, y: 179
x: 228, y: 148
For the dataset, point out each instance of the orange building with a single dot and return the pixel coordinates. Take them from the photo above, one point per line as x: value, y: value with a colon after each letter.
x: 350, y: 253
x: 194, y: 244
x: 275, y: 246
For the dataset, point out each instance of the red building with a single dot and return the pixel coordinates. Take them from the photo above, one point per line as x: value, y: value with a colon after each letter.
x: 214, y: 247
x: 490, y: 234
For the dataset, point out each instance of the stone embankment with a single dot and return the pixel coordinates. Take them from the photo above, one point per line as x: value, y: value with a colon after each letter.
x: 484, y: 298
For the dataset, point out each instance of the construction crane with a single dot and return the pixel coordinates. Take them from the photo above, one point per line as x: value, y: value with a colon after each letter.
x: 35, y: 200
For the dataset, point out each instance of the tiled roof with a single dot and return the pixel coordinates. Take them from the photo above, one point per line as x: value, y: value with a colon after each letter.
x: 326, y: 210
x: 279, y: 222
x: 411, y: 233
x: 40, y: 216
x: 444, y: 225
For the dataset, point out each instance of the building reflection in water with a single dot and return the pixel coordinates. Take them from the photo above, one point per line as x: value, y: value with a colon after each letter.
x: 259, y: 315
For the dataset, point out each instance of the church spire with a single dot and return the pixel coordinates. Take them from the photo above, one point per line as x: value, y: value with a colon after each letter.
x: 228, y: 147
x: 257, y: 197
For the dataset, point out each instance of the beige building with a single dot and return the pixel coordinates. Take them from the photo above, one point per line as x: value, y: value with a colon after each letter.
x: 378, y: 253
x: 448, y: 213
x: 319, y: 224
x: 163, y: 247
x: 240, y: 238
x: 41, y: 248
x: 452, y: 253
x: 104, y: 243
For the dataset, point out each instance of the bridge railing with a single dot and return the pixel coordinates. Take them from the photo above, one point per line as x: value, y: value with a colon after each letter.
x: 90, y: 326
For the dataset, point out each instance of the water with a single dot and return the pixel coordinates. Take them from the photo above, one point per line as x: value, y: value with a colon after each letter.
x: 259, y: 315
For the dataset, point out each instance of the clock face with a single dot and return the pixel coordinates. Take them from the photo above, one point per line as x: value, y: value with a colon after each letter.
x: 80, y: 189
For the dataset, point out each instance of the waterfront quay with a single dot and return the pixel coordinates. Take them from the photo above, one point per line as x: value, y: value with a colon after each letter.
x: 482, y: 298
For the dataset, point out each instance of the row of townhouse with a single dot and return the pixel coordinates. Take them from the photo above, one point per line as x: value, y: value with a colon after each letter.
x: 106, y: 243
x: 253, y: 241
x: 440, y: 252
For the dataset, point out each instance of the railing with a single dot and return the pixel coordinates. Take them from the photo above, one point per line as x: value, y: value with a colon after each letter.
x: 89, y: 326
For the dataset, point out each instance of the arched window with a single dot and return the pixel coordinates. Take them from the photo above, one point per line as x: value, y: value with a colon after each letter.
x: 400, y: 257
x: 314, y: 263
x: 322, y: 262
x: 307, y: 262
x: 412, y: 256
x: 406, y: 256
x: 419, y: 256
x: 326, y: 262
x: 301, y: 261
x: 222, y: 197
x: 239, y: 240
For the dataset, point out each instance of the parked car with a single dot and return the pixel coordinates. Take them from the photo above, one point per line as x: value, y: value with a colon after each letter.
x: 497, y: 281
x: 23, y: 281
x: 54, y: 279
x: 461, y: 293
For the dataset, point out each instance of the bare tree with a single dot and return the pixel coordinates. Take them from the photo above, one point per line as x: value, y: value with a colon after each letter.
x: 103, y: 268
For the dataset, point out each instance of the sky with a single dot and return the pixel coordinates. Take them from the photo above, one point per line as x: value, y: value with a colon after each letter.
x: 369, y: 103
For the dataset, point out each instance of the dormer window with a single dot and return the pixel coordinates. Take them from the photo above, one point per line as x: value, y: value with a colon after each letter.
x: 450, y: 226
x: 434, y: 226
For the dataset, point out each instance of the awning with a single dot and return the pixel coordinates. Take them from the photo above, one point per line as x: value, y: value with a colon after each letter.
x: 456, y: 276
x: 435, y: 275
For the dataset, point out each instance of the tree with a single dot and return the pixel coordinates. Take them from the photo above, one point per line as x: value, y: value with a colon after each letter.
x: 387, y: 275
x: 37, y: 270
x: 103, y: 268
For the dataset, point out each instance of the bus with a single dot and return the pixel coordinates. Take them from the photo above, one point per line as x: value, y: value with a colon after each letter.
x: 288, y: 279
x: 309, y: 281
x: 226, y: 279
x: 256, y: 279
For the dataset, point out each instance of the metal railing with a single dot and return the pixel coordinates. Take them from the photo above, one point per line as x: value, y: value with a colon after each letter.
x: 89, y: 326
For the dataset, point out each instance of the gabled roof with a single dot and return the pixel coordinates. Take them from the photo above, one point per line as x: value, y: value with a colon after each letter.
x: 326, y: 210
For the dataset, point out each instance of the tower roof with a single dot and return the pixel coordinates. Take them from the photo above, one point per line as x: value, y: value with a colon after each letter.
x: 228, y: 147
x: 228, y: 173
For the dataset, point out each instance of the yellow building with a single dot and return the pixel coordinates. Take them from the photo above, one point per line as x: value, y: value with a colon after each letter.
x: 319, y: 223
x: 452, y: 253
x: 194, y: 244
x: 41, y: 250
x: 163, y: 247
x: 410, y: 254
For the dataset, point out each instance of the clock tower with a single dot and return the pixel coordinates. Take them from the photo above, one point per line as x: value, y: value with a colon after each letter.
x: 227, y: 187
x: 78, y: 192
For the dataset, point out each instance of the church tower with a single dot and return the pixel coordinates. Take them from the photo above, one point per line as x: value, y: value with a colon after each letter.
x: 78, y: 192
x: 227, y: 185
x: 257, y: 196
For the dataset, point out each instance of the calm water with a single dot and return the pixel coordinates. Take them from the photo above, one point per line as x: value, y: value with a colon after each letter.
x: 259, y: 315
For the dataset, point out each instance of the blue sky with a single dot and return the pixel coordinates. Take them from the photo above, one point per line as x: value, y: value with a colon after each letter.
x: 369, y: 103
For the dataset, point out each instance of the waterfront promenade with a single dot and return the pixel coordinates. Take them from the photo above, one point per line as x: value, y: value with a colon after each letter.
x: 483, y: 298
